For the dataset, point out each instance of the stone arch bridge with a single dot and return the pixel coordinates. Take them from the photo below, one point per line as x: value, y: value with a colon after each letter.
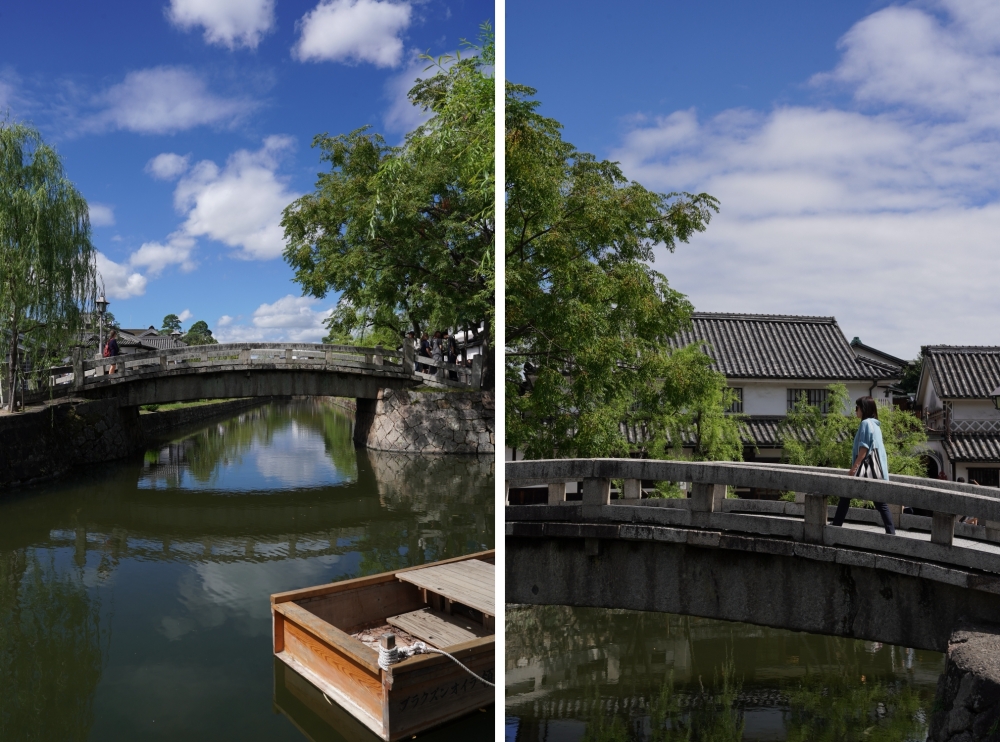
x: 254, y: 370
x: 762, y: 562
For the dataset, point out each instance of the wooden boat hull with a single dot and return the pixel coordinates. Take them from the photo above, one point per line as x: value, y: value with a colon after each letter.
x: 312, y: 636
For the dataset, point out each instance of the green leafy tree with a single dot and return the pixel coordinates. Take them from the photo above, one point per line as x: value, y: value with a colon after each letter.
x: 588, y: 319
x: 810, y: 437
x: 911, y: 375
x: 406, y: 233
x: 199, y: 334
x: 171, y: 323
x: 47, y: 261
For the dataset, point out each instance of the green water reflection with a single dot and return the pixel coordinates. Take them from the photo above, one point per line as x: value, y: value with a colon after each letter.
x: 134, y: 596
x: 594, y: 675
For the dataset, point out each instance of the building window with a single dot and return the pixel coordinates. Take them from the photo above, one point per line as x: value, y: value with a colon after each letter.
x: 813, y: 397
x: 737, y: 405
x: 985, y: 477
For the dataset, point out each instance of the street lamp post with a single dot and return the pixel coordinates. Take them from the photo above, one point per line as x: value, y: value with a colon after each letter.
x: 102, y: 307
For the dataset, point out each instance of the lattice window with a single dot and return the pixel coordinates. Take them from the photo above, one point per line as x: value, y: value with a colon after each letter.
x: 814, y: 397
x: 985, y: 477
x: 737, y: 405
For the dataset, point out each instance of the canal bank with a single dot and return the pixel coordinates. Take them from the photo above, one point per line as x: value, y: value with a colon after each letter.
x: 52, y: 438
x: 133, y: 595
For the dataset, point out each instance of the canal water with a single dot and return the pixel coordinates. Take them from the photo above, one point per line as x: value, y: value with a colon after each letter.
x: 134, y: 596
x: 595, y: 675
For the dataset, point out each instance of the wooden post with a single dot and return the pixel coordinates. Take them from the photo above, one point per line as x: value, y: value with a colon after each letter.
x: 557, y: 493
x: 407, y: 357
x: 632, y: 489
x: 77, y: 368
x: 704, y: 496
x: 477, y: 372
x: 815, y: 518
x: 943, y: 529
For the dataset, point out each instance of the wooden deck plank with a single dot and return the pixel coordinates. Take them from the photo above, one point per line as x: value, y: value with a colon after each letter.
x: 470, y: 582
x: 334, y: 587
x: 436, y: 628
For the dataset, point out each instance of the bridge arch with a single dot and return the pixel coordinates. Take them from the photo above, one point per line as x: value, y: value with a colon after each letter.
x: 769, y: 563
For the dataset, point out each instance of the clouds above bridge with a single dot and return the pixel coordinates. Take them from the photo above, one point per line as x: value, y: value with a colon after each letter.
x: 882, y: 198
x: 296, y: 319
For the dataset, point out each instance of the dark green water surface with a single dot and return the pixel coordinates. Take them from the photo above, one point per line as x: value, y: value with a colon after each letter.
x: 134, y: 596
x: 594, y: 675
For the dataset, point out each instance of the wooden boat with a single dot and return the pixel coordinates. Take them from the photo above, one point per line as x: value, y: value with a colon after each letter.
x: 321, y: 633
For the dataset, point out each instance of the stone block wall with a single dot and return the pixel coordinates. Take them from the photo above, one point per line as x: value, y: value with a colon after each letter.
x: 49, y: 439
x: 967, y: 705
x: 430, y: 422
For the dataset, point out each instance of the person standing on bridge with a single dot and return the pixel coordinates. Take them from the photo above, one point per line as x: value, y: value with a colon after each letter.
x: 868, y: 439
x: 111, y: 349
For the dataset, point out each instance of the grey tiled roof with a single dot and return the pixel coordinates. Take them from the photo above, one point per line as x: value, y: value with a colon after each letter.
x: 763, y: 430
x: 973, y: 447
x: 969, y: 372
x: 766, y: 346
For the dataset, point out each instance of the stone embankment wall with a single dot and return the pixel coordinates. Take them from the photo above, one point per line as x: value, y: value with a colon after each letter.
x: 967, y: 706
x: 427, y: 422
x: 53, y: 438
x: 157, y: 423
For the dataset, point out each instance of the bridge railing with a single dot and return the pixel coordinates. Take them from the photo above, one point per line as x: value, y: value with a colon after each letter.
x: 708, y: 507
x: 465, y: 376
x: 85, y: 372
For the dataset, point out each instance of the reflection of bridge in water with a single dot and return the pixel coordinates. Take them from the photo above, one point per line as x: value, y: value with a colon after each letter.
x: 170, y: 506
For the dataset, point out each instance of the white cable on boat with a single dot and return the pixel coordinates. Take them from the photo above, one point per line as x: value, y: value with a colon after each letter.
x: 389, y: 657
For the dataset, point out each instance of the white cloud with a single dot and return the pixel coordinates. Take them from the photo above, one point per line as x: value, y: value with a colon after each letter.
x: 167, y: 166
x: 239, y: 205
x: 185, y: 315
x: 883, y: 213
x: 354, y: 31
x: 292, y: 318
x: 120, y: 282
x: 229, y: 23
x: 154, y: 257
x: 224, y: 321
x: 163, y: 100
x: 101, y: 215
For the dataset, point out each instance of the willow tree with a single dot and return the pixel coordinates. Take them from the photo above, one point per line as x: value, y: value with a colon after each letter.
x: 47, y: 261
x: 405, y: 233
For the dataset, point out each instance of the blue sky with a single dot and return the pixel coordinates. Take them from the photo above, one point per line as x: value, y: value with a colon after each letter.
x: 187, y: 125
x: 854, y: 147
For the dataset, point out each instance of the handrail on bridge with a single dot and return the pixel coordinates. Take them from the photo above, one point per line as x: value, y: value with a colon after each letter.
x: 709, y: 508
x: 86, y: 372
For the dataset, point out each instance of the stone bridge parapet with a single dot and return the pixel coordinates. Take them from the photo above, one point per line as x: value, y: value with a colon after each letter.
x: 765, y: 562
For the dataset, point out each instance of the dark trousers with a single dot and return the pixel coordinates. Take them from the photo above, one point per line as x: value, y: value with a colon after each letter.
x: 883, y: 510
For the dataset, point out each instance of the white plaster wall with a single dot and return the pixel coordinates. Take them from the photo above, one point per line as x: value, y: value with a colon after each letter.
x: 771, y: 397
x: 974, y: 409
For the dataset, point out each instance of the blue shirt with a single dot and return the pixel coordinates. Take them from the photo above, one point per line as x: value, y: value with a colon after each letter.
x: 869, y: 435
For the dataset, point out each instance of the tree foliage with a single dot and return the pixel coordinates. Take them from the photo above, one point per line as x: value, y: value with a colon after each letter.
x: 406, y: 233
x: 587, y: 319
x: 811, y: 438
x: 171, y: 323
x: 199, y: 334
x: 47, y: 261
